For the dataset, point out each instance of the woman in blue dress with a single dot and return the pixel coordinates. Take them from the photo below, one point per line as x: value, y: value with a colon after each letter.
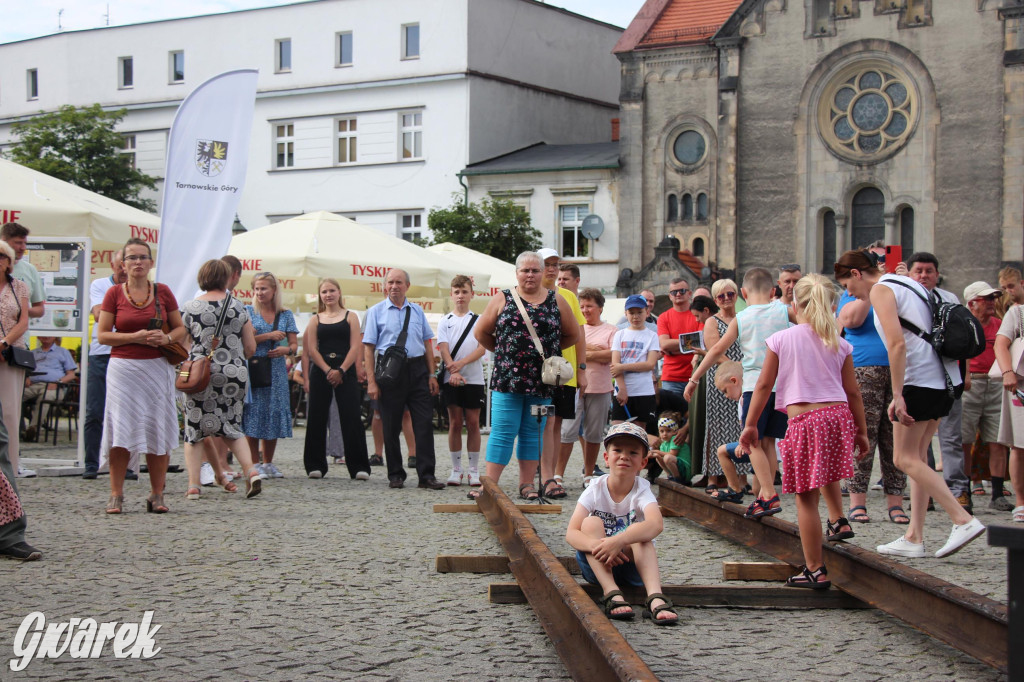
x: 268, y: 415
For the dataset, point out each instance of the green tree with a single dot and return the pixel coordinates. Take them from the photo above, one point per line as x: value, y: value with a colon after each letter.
x: 498, y: 228
x: 80, y: 146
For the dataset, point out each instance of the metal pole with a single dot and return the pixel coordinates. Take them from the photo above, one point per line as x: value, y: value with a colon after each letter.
x: 1012, y: 538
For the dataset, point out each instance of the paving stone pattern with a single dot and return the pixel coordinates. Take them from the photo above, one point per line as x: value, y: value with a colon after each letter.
x: 334, y: 579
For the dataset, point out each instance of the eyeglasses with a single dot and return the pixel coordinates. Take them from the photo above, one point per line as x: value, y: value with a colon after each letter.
x: 725, y: 295
x: 790, y: 267
x: 678, y: 292
x: 135, y: 259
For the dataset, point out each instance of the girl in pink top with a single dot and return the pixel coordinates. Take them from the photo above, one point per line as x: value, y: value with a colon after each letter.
x: 817, y: 388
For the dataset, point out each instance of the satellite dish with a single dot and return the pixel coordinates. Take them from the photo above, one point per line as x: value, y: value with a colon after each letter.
x: 593, y: 226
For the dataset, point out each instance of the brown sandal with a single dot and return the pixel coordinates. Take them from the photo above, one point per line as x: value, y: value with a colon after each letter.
x: 155, y: 504
x: 115, y: 504
x: 228, y: 486
x: 528, y: 492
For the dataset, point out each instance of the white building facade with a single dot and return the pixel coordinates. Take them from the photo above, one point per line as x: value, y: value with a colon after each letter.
x: 366, y: 108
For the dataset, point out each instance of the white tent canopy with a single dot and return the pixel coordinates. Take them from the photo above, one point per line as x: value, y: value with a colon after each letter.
x: 49, y: 207
x: 503, y: 275
x: 303, y: 250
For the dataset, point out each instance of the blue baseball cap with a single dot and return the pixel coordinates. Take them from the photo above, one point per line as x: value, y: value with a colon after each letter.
x: 636, y: 301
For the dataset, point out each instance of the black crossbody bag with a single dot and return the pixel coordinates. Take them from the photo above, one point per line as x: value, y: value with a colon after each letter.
x: 261, y: 373
x: 17, y: 357
x: 391, y: 363
x: 458, y: 344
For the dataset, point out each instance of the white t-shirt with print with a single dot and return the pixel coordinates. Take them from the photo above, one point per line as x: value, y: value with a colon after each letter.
x: 633, y: 346
x: 617, y: 515
x: 449, y: 330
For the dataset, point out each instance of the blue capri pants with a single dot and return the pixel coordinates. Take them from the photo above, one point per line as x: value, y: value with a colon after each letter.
x: 511, y: 421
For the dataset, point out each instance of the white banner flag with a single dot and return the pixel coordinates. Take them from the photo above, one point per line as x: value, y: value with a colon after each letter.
x: 207, y: 154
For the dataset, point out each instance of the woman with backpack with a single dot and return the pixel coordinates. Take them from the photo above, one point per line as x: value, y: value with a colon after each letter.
x: 922, y: 387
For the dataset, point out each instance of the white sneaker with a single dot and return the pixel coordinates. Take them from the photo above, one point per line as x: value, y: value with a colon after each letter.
x: 474, y: 478
x: 362, y: 476
x: 901, y: 546
x: 206, y: 477
x: 25, y: 473
x: 316, y: 473
x: 960, y: 536
x: 273, y: 471
x: 455, y: 478
x: 262, y: 470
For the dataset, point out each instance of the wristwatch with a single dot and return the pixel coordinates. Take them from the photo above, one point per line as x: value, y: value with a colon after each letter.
x: 4, y: 341
x: 583, y: 365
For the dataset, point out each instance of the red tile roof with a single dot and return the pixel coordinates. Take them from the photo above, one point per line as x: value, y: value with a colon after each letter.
x: 661, y: 23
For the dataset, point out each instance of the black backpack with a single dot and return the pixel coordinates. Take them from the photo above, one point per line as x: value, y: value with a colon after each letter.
x: 955, y: 332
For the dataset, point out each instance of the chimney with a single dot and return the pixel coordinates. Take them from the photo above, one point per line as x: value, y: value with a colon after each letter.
x: 615, y: 130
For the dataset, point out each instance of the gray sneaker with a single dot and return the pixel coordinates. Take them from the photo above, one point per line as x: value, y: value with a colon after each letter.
x: 1000, y: 504
x: 21, y: 551
x: 273, y: 471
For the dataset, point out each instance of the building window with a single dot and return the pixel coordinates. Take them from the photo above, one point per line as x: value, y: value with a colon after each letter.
x: 128, y: 149
x: 673, y: 208
x: 689, y: 148
x: 176, y: 62
x: 687, y: 207
x: 412, y: 226
x: 283, y: 55
x: 346, y: 134
x: 907, y: 231
x: 284, y: 145
x: 412, y: 136
x: 828, y: 242
x: 868, y: 217
x: 574, y: 244
x: 411, y: 41
x: 125, y: 72
x: 698, y: 247
x: 344, y: 49
x: 702, y: 206
x: 32, y: 83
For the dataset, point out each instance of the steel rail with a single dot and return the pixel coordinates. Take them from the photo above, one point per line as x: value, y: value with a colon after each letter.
x: 963, y: 619
x: 591, y: 648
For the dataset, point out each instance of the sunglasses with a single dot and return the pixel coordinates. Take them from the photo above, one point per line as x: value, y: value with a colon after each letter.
x: 678, y: 292
x: 726, y: 295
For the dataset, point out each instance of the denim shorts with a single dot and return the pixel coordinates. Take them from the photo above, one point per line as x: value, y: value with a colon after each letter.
x: 624, y: 574
x: 730, y: 451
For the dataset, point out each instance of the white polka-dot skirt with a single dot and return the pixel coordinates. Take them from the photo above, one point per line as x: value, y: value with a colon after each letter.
x: 818, y: 448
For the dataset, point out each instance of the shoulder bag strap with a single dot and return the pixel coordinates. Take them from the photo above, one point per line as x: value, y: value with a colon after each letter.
x: 156, y: 299
x: 220, y: 323
x: 10, y: 285
x: 277, y: 319
x: 529, y: 323
x: 405, y: 328
x: 907, y: 324
x: 465, y: 333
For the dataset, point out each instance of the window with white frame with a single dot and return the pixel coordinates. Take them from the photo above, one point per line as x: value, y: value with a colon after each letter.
x: 128, y: 149
x: 570, y: 220
x: 412, y: 226
x: 176, y: 66
x: 283, y: 55
x: 344, y: 49
x: 32, y: 83
x: 346, y: 140
x: 125, y: 72
x: 412, y: 135
x: 410, y: 41
x: 284, y: 145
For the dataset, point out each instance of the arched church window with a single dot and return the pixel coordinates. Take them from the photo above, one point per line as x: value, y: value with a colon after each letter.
x: 698, y: 247
x: 673, y: 208
x: 868, y: 217
x: 907, y: 230
x: 702, y: 206
x: 687, y: 207
x: 828, y: 242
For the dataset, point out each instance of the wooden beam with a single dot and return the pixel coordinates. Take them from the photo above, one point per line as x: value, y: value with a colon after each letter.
x: 756, y: 570
x: 709, y: 595
x: 474, y: 509
x: 489, y: 564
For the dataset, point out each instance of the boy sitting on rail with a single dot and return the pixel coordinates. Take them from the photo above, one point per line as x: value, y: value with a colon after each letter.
x: 614, y: 526
x: 729, y: 381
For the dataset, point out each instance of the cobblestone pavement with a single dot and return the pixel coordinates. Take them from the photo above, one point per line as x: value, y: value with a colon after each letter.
x: 334, y: 579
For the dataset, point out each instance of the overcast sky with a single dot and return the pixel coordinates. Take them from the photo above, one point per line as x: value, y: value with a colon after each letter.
x: 20, y: 19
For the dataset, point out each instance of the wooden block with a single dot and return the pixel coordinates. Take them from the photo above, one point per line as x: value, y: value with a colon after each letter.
x: 709, y: 595
x: 489, y: 564
x: 756, y: 570
x: 474, y: 509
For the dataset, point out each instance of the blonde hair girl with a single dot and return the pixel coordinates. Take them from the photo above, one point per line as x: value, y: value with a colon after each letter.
x: 816, y: 297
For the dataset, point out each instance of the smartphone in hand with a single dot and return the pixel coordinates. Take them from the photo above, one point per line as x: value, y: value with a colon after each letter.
x: 893, y: 257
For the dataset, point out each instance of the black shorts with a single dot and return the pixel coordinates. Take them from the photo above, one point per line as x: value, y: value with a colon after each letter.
x: 468, y: 396
x: 924, y: 404
x: 642, y: 407
x: 564, y: 400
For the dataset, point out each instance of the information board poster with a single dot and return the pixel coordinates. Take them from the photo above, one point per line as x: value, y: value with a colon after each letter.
x: 64, y: 267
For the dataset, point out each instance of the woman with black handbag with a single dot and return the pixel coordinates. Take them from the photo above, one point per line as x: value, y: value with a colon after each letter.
x: 217, y: 410
x: 267, y: 415
x: 140, y: 415
x: 333, y: 345
x: 13, y: 325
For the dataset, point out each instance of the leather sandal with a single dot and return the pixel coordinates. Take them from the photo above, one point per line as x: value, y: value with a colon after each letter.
x: 192, y: 493
x: 226, y: 483
x: 609, y: 603
x: 528, y: 492
x: 253, y: 484
x: 115, y: 504
x: 653, y: 613
x: 554, y: 489
x: 155, y: 504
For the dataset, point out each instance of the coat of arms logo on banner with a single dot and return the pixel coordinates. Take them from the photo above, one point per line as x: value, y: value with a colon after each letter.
x: 211, y: 157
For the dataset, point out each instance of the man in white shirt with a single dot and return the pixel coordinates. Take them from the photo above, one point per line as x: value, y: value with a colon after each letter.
x: 99, y: 357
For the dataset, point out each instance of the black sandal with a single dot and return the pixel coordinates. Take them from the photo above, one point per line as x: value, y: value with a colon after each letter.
x: 898, y: 516
x: 528, y: 492
x: 834, y: 534
x: 609, y: 604
x: 727, y: 495
x: 653, y: 613
x: 814, y: 580
x: 557, y: 492
x: 859, y: 514
x: 710, y: 489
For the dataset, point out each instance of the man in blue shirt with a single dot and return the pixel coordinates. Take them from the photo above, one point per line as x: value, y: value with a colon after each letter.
x: 417, y: 386
x: 54, y: 365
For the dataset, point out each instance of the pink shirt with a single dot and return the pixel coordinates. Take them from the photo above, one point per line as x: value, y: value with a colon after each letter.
x: 599, y: 374
x: 809, y: 372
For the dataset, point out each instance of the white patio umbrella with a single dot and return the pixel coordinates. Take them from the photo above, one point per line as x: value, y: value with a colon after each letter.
x: 503, y: 275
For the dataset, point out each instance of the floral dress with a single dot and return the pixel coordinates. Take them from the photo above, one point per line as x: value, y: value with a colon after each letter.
x: 217, y: 411
x: 268, y: 414
x: 722, y: 419
x: 517, y: 365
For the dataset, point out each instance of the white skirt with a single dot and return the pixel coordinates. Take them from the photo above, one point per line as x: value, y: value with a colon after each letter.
x: 140, y: 414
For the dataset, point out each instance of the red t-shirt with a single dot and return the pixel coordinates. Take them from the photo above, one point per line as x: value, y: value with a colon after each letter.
x: 674, y: 323
x: 129, y: 319
x: 983, y: 362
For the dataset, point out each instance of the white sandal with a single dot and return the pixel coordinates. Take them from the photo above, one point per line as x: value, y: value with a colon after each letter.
x: 587, y: 480
x: 1018, y: 514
